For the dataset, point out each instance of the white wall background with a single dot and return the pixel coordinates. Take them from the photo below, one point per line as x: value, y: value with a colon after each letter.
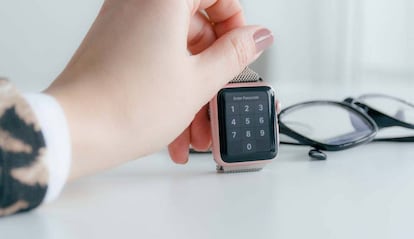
x: 347, y: 43
x: 38, y: 37
x: 350, y: 44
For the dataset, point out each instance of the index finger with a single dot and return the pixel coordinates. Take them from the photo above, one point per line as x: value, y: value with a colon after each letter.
x: 225, y: 14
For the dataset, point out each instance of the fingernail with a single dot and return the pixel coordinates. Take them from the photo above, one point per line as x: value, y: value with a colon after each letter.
x: 181, y: 162
x: 263, y: 39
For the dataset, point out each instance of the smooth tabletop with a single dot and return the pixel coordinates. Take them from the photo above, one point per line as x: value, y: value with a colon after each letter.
x: 365, y: 192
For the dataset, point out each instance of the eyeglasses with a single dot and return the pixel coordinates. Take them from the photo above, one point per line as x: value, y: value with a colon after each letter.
x: 334, y: 126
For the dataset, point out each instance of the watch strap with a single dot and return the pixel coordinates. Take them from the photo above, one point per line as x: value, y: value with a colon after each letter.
x: 239, y: 169
x: 247, y: 75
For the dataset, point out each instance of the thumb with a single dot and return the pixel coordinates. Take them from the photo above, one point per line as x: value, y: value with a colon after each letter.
x: 231, y: 53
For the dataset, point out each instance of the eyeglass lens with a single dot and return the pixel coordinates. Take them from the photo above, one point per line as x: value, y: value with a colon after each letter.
x: 390, y: 106
x: 327, y: 123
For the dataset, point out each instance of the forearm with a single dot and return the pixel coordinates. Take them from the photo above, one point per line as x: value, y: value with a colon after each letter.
x: 107, y: 128
x: 93, y: 133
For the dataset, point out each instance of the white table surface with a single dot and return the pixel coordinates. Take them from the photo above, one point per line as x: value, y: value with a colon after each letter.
x: 365, y: 192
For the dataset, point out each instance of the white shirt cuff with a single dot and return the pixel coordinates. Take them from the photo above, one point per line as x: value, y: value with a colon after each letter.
x: 56, y: 133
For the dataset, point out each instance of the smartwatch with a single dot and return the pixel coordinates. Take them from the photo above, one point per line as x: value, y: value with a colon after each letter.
x: 244, y: 124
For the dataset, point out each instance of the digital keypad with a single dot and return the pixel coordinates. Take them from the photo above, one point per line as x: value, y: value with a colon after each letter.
x: 247, y: 122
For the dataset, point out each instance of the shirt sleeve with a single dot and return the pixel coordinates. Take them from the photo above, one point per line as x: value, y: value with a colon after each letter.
x: 55, y: 130
x: 32, y: 168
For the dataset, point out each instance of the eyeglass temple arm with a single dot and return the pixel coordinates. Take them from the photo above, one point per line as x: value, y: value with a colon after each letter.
x: 408, y: 139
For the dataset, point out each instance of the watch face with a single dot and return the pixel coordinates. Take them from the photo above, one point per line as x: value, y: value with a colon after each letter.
x: 247, y: 122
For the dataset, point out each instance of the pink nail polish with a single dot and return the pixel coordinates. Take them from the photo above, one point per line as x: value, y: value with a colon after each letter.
x: 263, y: 39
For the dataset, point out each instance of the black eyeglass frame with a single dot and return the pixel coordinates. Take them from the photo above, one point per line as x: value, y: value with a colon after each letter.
x: 383, y: 120
x: 306, y: 141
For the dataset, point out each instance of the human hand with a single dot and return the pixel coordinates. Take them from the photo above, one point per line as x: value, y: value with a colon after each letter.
x: 132, y: 87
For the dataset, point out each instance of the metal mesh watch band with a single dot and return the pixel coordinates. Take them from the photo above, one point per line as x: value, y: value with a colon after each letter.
x: 241, y: 169
x: 247, y: 75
